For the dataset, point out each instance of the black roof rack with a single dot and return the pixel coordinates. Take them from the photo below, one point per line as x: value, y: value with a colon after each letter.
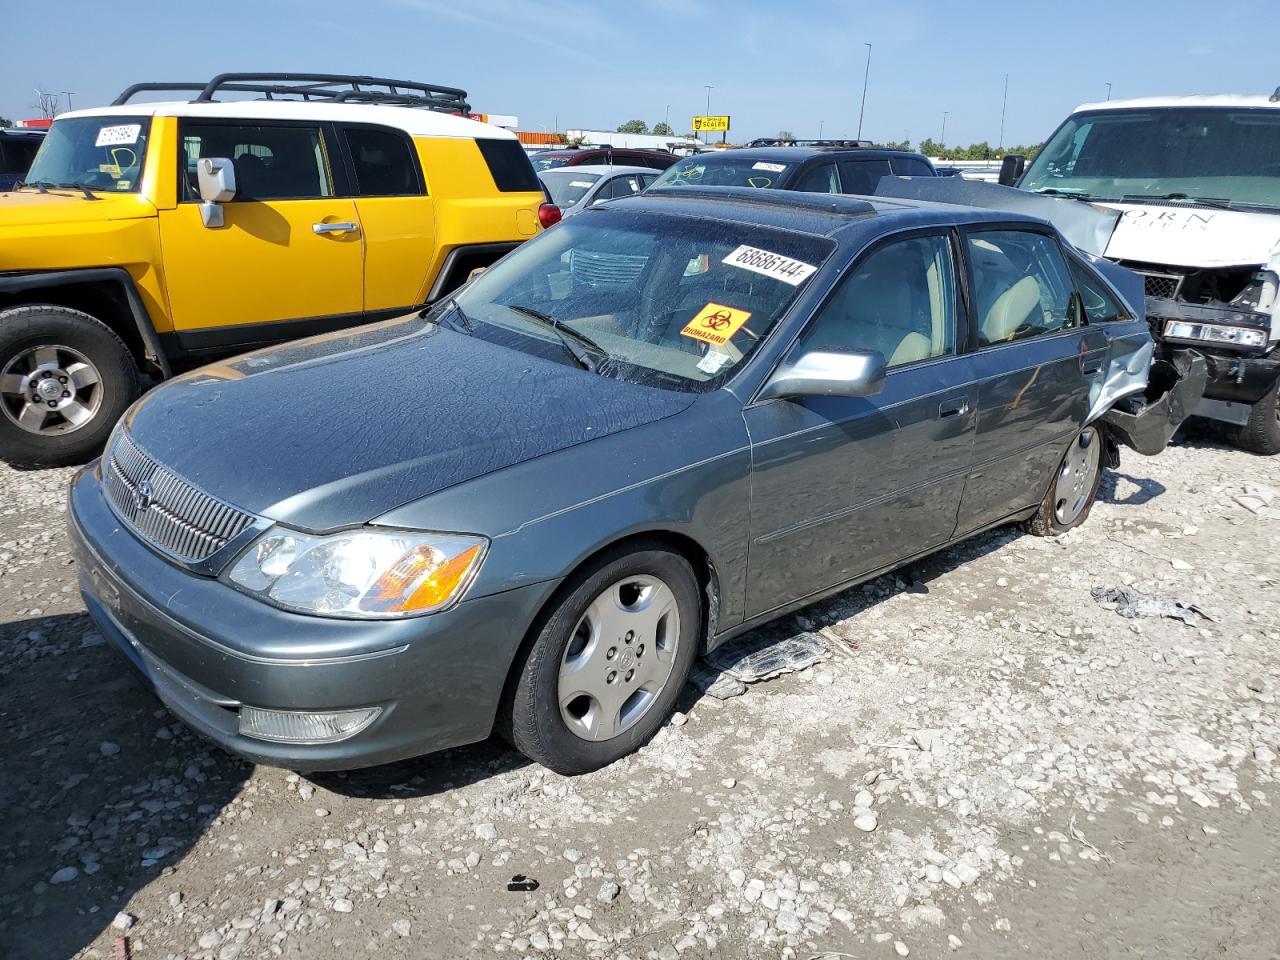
x: 833, y: 144
x: 323, y: 87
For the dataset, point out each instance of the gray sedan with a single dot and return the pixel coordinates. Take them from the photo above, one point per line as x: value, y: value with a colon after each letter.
x: 574, y: 189
x: 533, y: 506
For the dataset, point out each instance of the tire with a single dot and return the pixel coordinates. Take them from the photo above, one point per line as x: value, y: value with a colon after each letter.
x: 605, y: 608
x: 1262, y: 433
x: 40, y: 343
x: 1074, y: 487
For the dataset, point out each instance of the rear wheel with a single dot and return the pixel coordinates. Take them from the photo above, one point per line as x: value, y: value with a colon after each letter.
x: 1074, y: 489
x: 609, y: 661
x: 1262, y: 433
x: 65, y: 378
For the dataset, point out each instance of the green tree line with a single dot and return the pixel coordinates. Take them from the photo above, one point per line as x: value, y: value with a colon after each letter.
x: 974, y: 151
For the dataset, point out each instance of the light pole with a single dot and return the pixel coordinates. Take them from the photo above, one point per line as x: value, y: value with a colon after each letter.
x: 943, y: 142
x: 1108, y: 89
x: 709, y: 89
x: 866, y: 75
x: 667, y: 120
x: 1003, y: 107
x: 820, y: 125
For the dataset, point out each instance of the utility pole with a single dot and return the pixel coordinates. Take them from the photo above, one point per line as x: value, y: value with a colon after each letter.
x: 1003, y: 107
x: 709, y: 87
x: 820, y: 125
x: 667, y: 120
x: 943, y: 142
x: 1108, y: 82
x: 866, y: 75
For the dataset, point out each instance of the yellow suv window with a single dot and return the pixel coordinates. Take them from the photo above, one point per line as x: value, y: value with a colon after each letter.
x: 273, y: 162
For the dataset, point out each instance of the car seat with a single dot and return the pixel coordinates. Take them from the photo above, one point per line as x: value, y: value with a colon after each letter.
x: 1011, y: 310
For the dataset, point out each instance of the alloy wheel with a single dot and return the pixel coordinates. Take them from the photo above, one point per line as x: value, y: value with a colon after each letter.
x: 50, y: 389
x: 1075, y: 481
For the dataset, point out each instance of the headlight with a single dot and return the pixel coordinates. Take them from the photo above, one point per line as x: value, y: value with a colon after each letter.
x: 365, y: 574
x: 1216, y: 333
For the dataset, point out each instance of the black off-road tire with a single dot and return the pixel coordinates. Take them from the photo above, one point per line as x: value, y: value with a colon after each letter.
x: 532, y: 720
x: 1045, y: 522
x: 45, y: 324
x: 1262, y: 433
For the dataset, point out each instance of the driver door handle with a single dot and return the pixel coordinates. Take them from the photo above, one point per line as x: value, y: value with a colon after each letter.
x: 956, y: 407
x: 344, y: 226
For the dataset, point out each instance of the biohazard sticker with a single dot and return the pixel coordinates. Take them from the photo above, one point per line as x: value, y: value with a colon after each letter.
x: 716, y: 323
x: 775, y: 265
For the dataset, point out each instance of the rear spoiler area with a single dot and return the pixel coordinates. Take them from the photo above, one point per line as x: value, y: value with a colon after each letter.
x: 1142, y: 400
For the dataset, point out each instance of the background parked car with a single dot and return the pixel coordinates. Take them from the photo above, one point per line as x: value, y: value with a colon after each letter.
x: 573, y: 189
x: 653, y: 159
x: 648, y: 430
x: 18, y: 148
x: 821, y: 169
x: 156, y: 236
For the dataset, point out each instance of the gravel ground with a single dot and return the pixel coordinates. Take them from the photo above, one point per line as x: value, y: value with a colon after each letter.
x: 990, y: 763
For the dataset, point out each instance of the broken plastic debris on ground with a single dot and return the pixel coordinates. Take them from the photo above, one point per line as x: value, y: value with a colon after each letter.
x: 1133, y: 605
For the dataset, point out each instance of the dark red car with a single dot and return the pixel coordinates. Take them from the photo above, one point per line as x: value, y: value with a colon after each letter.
x: 549, y: 159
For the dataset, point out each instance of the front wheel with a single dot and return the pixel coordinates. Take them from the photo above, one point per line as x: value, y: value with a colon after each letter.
x: 65, y: 378
x: 1262, y: 433
x: 1074, y: 489
x: 607, y: 664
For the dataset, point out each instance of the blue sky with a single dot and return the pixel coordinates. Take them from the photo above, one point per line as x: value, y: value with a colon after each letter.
x: 597, y: 63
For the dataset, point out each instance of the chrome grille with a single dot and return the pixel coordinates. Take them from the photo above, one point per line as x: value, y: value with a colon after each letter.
x: 1162, y: 286
x: 606, y: 269
x: 166, y: 511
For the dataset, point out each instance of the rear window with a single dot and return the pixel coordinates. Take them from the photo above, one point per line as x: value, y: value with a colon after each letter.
x: 910, y: 167
x: 383, y: 164
x: 861, y: 176
x: 509, y: 164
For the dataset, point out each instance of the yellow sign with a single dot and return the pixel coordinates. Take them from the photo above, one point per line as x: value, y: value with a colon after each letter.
x: 710, y: 123
x: 716, y: 323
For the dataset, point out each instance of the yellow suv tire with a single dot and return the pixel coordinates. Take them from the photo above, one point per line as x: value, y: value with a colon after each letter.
x: 65, y: 379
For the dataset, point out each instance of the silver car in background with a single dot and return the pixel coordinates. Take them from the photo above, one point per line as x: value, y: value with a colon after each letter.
x: 574, y: 189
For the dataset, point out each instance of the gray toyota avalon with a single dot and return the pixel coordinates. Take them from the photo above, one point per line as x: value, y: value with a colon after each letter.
x: 530, y: 508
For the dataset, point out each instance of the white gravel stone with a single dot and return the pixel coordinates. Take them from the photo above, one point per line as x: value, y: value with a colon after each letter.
x: 866, y: 822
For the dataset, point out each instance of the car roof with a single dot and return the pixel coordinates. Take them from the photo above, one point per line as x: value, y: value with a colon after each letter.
x: 577, y: 151
x: 800, y: 154
x: 22, y: 132
x: 604, y: 169
x: 820, y: 214
x: 416, y: 123
x: 1216, y: 100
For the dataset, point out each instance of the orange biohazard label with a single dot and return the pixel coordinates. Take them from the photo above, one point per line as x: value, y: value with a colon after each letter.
x: 716, y: 323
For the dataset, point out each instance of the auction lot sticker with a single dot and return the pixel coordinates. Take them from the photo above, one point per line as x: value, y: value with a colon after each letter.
x: 118, y: 134
x: 716, y: 323
x: 775, y: 265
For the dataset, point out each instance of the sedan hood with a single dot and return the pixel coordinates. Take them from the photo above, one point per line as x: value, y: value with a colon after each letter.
x: 339, y: 429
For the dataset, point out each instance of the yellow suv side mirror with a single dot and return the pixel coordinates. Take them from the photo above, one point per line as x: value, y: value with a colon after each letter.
x: 216, y: 179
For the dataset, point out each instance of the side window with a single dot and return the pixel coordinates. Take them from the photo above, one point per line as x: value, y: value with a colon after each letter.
x: 646, y: 179
x: 383, y: 163
x: 910, y: 167
x: 272, y: 162
x: 901, y: 300
x: 509, y: 165
x: 819, y: 179
x: 861, y: 176
x: 1021, y: 287
x: 1100, y: 304
x: 627, y: 186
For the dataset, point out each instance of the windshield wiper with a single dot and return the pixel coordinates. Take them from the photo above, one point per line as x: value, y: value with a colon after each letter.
x: 462, y: 314
x: 44, y: 186
x: 88, y: 194
x: 572, y: 339
x: 1222, y: 203
x: 1068, y: 194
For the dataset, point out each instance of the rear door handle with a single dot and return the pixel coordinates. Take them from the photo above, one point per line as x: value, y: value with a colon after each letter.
x: 956, y: 407
x: 345, y: 226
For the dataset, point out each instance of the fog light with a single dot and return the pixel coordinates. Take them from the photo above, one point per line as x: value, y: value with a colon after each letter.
x: 295, y: 726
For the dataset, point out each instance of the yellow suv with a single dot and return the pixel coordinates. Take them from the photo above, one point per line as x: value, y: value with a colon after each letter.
x: 152, y: 237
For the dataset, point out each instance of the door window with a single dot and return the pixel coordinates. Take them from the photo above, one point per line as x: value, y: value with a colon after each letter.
x: 861, y: 176
x: 910, y: 167
x: 819, y: 179
x: 383, y: 163
x: 273, y: 162
x: 627, y: 186
x: 1100, y: 304
x: 1021, y: 287
x: 901, y: 300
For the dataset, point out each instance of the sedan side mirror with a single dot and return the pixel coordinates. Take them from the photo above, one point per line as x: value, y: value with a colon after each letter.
x: 216, y: 178
x: 1011, y: 168
x: 827, y: 373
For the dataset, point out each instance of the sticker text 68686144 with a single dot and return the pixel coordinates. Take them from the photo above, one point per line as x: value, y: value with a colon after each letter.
x: 775, y: 265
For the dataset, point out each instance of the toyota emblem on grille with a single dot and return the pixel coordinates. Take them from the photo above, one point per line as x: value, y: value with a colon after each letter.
x: 143, y: 495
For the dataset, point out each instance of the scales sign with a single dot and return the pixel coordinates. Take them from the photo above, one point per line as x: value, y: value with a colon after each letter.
x: 714, y: 124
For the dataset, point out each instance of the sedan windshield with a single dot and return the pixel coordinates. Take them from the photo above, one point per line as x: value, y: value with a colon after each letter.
x: 1186, y: 154
x: 101, y: 153
x: 724, y: 170
x: 566, y: 187
x: 666, y: 300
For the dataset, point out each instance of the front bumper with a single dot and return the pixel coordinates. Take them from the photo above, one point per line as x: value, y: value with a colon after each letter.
x: 1146, y: 423
x: 206, y: 649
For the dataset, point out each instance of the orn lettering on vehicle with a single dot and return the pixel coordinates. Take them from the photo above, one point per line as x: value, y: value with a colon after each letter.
x: 716, y: 324
x: 775, y: 265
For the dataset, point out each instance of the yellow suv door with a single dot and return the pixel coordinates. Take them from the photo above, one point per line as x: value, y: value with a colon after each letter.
x: 289, y: 256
